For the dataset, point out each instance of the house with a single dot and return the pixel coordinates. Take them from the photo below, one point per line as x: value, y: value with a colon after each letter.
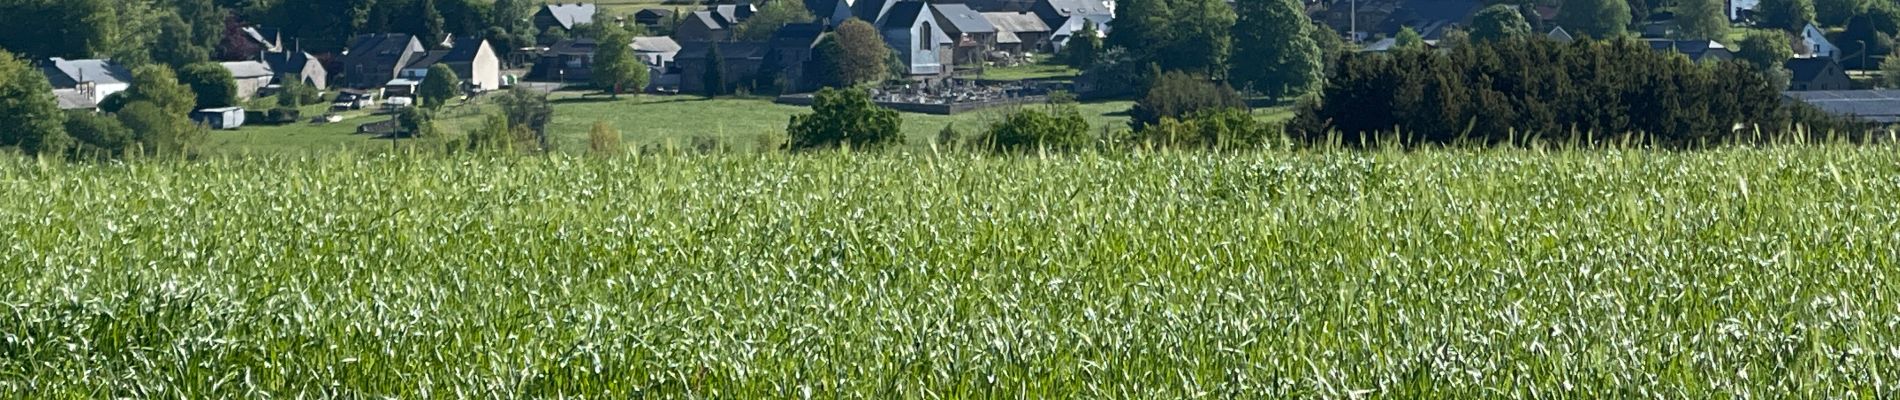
x: 1560, y: 35
x: 922, y: 47
x: 564, y: 16
x: 472, y: 60
x: 251, y: 76
x: 1696, y: 50
x: 1057, y: 13
x: 1814, y: 43
x: 1019, y: 32
x: 1385, y: 45
x: 90, y: 80
x: 1060, y: 37
x: 1819, y: 73
x: 713, y: 24
x: 792, y: 46
x: 741, y: 61
x: 873, y: 11
x: 300, y: 65
x: 372, y: 60
x: 475, y: 62
x: 973, y: 36
x: 1740, y: 10
x: 572, y: 60
x: 653, y: 16
x: 1877, y: 106
x: 656, y: 51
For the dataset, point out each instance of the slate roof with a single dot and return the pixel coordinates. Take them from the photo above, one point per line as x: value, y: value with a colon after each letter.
x: 902, y: 15
x: 1807, y: 69
x: 872, y: 10
x: 287, y: 62
x: 464, y: 50
x: 572, y: 14
x: 430, y: 59
x: 573, y: 47
x: 730, y: 14
x: 1007, y: 37
x: 247, y: 69
x: 655, y: 44
x: 64, y: 73
x: 379, y: 45
x: 959, y: 19
x: 1431, y: 18
x: 730, y: 50
x: 655, y: 12
x: 73, y: 99
x: 1882, y: 106
x: 1016, y: 22
x: 709, y: 19
x: 1079, y: 7
x: 1561, y: 35
x: 797, y: 35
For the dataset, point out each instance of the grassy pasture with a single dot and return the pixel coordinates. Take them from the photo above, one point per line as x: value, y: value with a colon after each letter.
x: 1738, y: 273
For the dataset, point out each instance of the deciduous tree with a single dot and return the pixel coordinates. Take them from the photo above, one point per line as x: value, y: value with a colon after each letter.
x: 1274, y: 52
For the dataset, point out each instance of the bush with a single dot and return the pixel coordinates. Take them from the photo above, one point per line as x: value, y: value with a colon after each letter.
x: 844, y: 117
x: 1219, y: 129
x: 282, y: 115
x: 1058, y: 127
x: 1177, y: 95
x: 98, y: 135
x: 604, y: 140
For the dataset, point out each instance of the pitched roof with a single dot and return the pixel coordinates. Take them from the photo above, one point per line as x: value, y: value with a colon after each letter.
x: 797, y: 35
x: 247, y: 69
x: 430, y: 59
x: 1016, y: 22
x: 1079, y: 7
x: 64, y: 73
x: 1561, y: 35
x: 655, y: 44
x: 1381, y: 46
x: 571, y: 14
x: 903, y: 14
x: 959, y: 18
x: 823, y: 8
x: 573, y: 47
x: 287, y: 62
x: 1007, y: 37
x: 1809, y: 69
x: 379, y: 45
x: 73, y: 99
x: 729, y: 50
x: 1881, y: 106
x: 464, y: 50
x: 872, y: 10
x: 1695, y: 49
x: 656, y: 12
x: 731, y: 14
x: 1431, y: 18
x: 708, y: 18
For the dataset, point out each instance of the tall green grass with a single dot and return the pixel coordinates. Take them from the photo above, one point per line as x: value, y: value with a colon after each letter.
x: 1744, y: 273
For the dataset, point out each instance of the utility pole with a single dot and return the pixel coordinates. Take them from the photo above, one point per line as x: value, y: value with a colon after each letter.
x: 1353, y: 16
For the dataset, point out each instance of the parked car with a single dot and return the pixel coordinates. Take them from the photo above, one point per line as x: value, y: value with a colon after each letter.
x: 353, y: 100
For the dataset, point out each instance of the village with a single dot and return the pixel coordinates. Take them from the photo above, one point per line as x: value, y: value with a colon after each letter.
x: 945, y: 59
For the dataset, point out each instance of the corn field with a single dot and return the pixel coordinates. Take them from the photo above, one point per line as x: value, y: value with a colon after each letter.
x: 1504, y: 273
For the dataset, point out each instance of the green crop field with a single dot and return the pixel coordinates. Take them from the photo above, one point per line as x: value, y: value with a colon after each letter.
x: 1739, y: 273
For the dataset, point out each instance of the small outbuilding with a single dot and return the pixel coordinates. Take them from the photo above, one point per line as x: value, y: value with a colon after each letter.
x: 226, y: 118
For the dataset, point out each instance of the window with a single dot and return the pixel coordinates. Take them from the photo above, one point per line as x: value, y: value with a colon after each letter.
x: 924, y: 37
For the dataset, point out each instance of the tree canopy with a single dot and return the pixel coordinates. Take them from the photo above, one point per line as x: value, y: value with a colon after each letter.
x: 438, y: 87
x: 29, y: 114
x: 853, y: 54
x: 1499, y: 22
x: 1787, y: 15
x: 844, y: 117
x: 615, y: 67
x: 1274, y: 53
x: 212, y: 85
x: 1600, y: 19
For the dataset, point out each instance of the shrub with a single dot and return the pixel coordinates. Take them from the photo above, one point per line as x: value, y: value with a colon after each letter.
x: 282, y: 115
x: 603, y: 139
x: 844, y: 117
x: 98, y: 135
x: 1176, y: 95
x: 213, y: 85
x: 1219, y: 129
x: 1057, y: 127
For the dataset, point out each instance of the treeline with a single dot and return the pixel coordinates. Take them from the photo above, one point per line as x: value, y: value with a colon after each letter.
x: 1524, y: 89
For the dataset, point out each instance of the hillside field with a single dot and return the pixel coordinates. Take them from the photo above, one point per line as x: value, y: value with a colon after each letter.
x: 646, y: 120
x: 1732, y: 273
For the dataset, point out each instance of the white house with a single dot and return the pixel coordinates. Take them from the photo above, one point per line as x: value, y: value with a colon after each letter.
x: 77, y: 82
x: 1739, y: 8
x: 1815, y: 44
